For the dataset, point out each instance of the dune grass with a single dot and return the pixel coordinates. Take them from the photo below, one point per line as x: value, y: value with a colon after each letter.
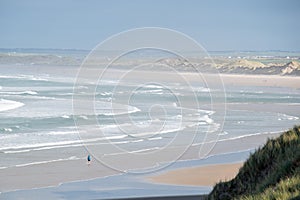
x: 271, y: 172
x: 288, y: 188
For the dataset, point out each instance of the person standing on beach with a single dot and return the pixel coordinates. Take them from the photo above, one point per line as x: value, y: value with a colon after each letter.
x: 88, y: 159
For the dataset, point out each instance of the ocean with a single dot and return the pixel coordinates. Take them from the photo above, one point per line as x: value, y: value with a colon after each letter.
x: 138, y: 118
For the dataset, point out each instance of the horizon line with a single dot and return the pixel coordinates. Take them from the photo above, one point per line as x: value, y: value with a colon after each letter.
x: 81, y: 49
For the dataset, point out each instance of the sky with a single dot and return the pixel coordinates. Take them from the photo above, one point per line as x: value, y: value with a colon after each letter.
x: 218, y: 25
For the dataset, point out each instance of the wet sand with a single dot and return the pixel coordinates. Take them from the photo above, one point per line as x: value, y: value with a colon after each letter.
x: 192, y: 197
x: 55, y: 173
x: 50, y: 174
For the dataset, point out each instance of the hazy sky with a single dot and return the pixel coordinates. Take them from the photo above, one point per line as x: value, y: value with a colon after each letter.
x: 216, y: 24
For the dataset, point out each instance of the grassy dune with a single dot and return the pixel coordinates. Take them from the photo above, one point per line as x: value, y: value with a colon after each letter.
x: 271, y: 172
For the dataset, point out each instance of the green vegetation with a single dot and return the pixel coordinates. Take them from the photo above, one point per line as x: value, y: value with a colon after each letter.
x: 271, y: 172
x: 288, y: 188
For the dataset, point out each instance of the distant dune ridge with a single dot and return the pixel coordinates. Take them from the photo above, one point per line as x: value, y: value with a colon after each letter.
x: 237, y: 66
x: 246, y: 64
x: 250, y: 64
x: 255, y: 67
x: 291, y: 67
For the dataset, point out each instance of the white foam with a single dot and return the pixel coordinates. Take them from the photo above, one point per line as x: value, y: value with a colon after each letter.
x: 7, y: 129
x: 202, y: 89
x: 287, y: 117
x: 83, y: 117
x: 121, y: 142
x: 24, y: 77
x: 46, y: 144
x: 258, y: 92
x: 175, y: 104
x: 9, y: 104
x: 45, y: 98
x: 126, y: 142
x: 131, y: 109
x: 106, y: 93
x: 153, y: 86
x: 136, y: 151
x: 58, y: 144
x: 3, y: 168
x: 30, y: 92
x: 107, y: 82
x: 285, y: 97
x: 135, y: 141
x: 48, y: 161
x: 155, y: 138
x: 223, y: 133
x: 153, y: 91
x: 62, y: 132
x: 19, y: 151
x: 206, y: 119
x: 43, y: 148
x: 112, y: 137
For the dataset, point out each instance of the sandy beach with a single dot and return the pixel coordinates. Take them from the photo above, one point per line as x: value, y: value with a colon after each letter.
x: 261, y: 80
x: 199, y: 176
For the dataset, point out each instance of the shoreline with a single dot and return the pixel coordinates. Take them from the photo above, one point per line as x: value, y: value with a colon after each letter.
x: 187, y: 197
x: 134, y: 183
x: 77, y: 170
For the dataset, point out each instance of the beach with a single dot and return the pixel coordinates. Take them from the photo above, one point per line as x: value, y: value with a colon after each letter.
x: 257, y: 107
x: 261, y: 80
x: 199, y: 176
